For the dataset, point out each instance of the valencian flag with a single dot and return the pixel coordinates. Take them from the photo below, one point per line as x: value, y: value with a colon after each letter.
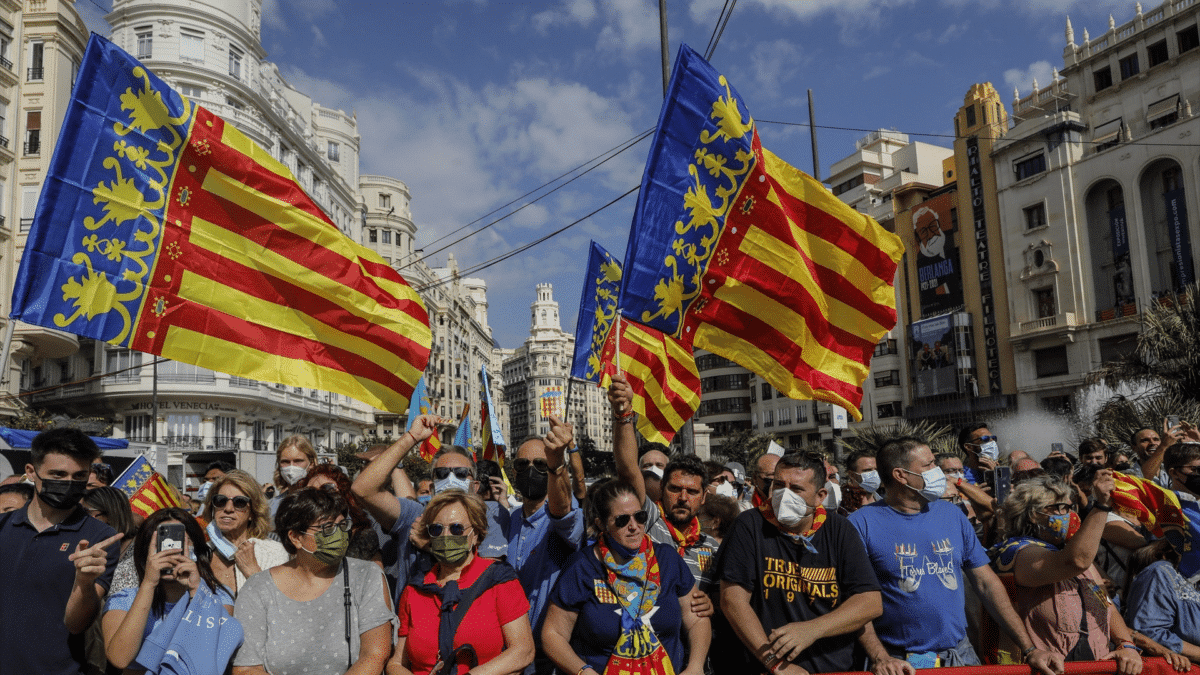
x: 493, y: 438
x: 462, y: 435
x: 660, y: 370
x: 1155, y: 508
x: 420, y: 405
x: 146, y: 489
x: 163, y: 229
x: 734, y: 251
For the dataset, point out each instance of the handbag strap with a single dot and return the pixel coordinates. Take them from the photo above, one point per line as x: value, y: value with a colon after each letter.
x: 348, y: 601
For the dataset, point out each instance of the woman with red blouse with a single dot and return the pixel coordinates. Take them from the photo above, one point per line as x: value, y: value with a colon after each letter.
x: 485, y: 628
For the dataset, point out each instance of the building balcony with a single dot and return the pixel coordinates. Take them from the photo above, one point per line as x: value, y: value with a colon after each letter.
x: 1122, y: 311
x: 1063, y: 324
x: 35, y: 74
x: 46, y: 342
x: 33, y: 147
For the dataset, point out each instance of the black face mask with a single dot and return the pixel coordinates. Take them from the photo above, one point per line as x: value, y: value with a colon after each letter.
x: 531, y: 483
x: 62, y: 494
x: 1192, y: 483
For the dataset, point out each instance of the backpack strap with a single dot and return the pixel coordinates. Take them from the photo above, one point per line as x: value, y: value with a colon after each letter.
x: 455, y: 603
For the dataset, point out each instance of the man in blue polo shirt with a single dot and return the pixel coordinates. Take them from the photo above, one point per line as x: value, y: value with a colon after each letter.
x: 57, y: 561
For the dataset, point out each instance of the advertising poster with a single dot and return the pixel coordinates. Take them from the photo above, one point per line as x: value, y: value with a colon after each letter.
x: 935, y: 363
x: 939, y: 270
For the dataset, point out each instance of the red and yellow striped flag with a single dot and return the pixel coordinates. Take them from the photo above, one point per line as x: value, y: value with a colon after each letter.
x: 735, y: 251
x: 147, y: 490
x: 163, y: 229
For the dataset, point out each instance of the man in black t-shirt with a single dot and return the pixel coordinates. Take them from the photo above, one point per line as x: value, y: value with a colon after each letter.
x: 796, y: 583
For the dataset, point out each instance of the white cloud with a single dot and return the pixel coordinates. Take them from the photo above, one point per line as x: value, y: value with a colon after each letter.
x: 318, y: 37
x: 630, y: 25
x: 774, y: 63
x: 856, y: 19
x: 952, y: 31
x: 579, y: 12
x: 877, y: 71
x: 1022, y: 78
x: 276, y: 16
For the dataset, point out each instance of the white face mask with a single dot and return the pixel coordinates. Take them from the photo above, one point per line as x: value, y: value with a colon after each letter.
x: 726, y: 490
x: 789, y: 508
x: 833, y: 495
x: 292, y: 474
x: 989, y: 450
x: 869, y: 481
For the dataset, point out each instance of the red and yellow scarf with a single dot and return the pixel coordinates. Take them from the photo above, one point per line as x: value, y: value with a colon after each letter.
x: 684, y: 539
x: 636, y: 583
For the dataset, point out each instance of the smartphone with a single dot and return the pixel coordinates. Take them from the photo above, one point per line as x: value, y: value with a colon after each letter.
x: 1002, y: 482
x: 1172, y: 421
x: 170, y: 537
x: 1056, y: 447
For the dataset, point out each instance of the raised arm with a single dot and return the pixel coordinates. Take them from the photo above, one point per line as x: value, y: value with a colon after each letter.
x: 371, y: 484
x: 620, y: 398
x: 1037, y: 566
x: 558, y: 486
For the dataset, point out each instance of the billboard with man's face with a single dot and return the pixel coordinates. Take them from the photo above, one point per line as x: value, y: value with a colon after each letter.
x: 939, y: 272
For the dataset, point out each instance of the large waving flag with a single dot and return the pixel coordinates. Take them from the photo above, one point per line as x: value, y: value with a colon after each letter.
x: 494, y: 446
x: 163, y: 229
x: 661, y: 371
x: 420, y: 405
x: 735, y: 251
x: 462, y: 435
x: 147, y: 490
x: 1155, y: 508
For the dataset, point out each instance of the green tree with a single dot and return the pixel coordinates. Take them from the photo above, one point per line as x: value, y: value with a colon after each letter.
x: 1120, y: 416
x: 743, y: 446
x: 872, y: 437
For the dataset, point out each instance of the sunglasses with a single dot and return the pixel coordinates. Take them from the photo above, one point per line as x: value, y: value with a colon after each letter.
x: 985, y: 439
x: 460, y: 472
x: 1060, y: 509
x: 437, y: 529
x: 539, y: 465
x: 240, y: 503
x: 329, y: 528
x: 622, y: 520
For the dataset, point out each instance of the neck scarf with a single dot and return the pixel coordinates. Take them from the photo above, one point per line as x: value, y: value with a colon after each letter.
x: 684, y: 539
x: 636, y: 584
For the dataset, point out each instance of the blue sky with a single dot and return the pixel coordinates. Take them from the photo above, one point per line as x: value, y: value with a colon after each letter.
x: 474, y: 102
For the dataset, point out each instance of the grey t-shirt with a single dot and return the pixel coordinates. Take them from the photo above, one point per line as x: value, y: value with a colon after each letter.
x: 698, y: 556
x: 295, y: 638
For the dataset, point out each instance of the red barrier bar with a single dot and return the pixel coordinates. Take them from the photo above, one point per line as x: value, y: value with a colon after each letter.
x: 1150, y: 666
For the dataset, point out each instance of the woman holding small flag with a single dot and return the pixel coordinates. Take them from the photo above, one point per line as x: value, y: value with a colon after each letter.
x: 623, y: 605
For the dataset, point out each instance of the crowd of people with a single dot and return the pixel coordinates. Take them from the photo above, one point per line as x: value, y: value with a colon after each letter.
x: 899, y: 559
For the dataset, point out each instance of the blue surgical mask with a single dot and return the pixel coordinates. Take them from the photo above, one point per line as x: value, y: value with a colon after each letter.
x: 219, y: 542
x: 869, y: 480
x: 451, y: 482
x: 989, y: 450
x: 935, y: 484
x: 423, y: 499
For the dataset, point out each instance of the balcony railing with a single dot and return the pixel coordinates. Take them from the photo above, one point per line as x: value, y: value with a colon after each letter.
x: 36, y: 73
x: 4, y: 142
x: 33, y: 147
x: 228, y: 443
x: 185, y: 441
x: 6, y: 63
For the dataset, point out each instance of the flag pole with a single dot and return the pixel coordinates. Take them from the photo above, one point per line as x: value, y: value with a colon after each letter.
x: 617, y: 356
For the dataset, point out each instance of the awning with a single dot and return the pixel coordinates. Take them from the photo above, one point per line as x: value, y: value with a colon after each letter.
x: 1107, y: 132
x: 1162, y: 108
x: 20, y: 438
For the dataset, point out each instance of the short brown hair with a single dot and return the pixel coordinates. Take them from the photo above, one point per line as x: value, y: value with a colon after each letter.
x: 471, y: 503
x: 302, y: 509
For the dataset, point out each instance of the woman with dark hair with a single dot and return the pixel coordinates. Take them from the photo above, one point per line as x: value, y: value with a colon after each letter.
x: 320, y: 612
x: 239, y: 522
x: 364, y: 541
x: 111, y: 507
x: 1047, y: 551
x: 623, y: 603
x: 493, y: 634
x: 164, y: 577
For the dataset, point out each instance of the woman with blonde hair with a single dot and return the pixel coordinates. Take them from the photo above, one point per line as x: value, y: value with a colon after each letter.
x: 1047, y: 551
x: 292, y: 461
x: 239, y: 522
x: 495, y: 621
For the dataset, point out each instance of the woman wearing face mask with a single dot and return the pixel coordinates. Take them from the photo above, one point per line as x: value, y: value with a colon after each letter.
x: 130, y: 615
x: 320, y: 612
x: 239, y: 523
x: 364, y: 541
x: 292, y: 460
x: 623, y: 603
x: 1048, y: 552
x: 490, y: 632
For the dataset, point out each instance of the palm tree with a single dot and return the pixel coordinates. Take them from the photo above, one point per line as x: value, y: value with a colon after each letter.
x: 940, y: 437
x: 1120, y: 416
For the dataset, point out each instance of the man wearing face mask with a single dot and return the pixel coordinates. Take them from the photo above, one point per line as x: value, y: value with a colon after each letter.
x: 453, y: 469
x: 760, y: 481
x: 796, y: 584
x: 57, y: 561
x: 982, y: 449
x: 1182, y: 462
x: 548, y: 527
x: 920, y: 547
x: 862, y: 482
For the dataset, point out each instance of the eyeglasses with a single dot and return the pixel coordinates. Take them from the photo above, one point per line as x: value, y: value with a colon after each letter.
x: 539, y: 465
x: 1060, y: 509
x: 437, y: 529
x: 622, y: 520
x: 329, y: 528
x: 240, y: 503
x: 460, y: 472
x: 984, y: 439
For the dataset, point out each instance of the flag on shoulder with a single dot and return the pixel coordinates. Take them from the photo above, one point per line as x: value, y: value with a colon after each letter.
x: 735, y: 251
x: 163, y: 229
x: 660, y: 370
x: 147, y: 490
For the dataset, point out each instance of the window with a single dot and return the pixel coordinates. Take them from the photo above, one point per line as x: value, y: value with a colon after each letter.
x: 191, y: 91
x: 386, y: 235
x: 235, y: 63
x: 769, y: 418
x: 1030, y: 166
x: 1129, y: 66
x: 123, y: 364
x: 5, y: 45
x: 1163, y: 113
x: 888, y: 410
x: 372, y: 236
x: 886, y: 347
x: 3, y: 125
x: 137, y: 428
x: 1107, y: 135
x: 785, y: 416
x: 1102, y: 78
x: 145, y: 41
x: 1051, y: 361
x: 234, y: 103
x: 1157, y: 53
x: 385, y: 200
x: 333, y: 152
x: 191, y: 44
x: 33, y: 132
x: 29, y: 199
x: 36, y: 60
x: 1189, y: 39
x: 226, y: 428
x: 1043, y: 300
x: 766, y: 391
x: 1035, y: 216
x: 971, y: 115
x: 890, y: 378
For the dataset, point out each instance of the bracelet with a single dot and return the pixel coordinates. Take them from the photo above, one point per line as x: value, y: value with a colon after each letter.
x: 1026, y: 652
x: 627, y: 417
x: 771, y: 662
x: 1129, y: 645
x: 585, y: 667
